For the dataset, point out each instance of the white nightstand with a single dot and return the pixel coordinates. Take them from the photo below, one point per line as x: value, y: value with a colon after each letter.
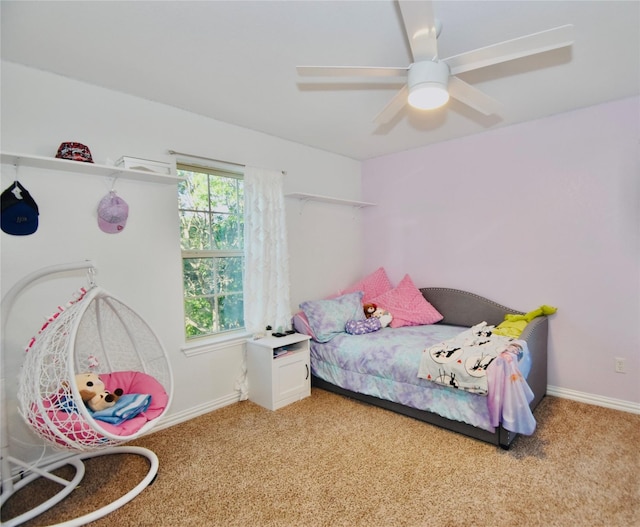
x: 278, y: 370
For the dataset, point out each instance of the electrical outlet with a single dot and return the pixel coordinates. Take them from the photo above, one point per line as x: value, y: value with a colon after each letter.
x: 620, y: 366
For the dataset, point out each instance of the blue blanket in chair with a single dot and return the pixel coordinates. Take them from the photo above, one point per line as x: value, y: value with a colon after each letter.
x: 128, y: 406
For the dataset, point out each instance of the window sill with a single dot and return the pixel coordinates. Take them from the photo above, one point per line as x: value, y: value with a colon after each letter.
x: 214, y: 344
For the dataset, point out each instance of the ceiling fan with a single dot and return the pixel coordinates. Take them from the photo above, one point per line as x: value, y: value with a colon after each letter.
x: 431, y: 80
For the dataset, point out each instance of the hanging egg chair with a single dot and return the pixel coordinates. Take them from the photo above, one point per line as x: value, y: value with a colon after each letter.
x: 94, y: 333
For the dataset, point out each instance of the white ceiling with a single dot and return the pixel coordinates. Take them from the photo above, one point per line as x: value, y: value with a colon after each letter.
x: 235, y: 61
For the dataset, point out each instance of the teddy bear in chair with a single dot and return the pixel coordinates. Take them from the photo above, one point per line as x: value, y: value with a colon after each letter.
x: 94, y: 394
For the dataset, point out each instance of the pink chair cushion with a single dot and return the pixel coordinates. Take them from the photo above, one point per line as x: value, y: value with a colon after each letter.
x: 75, y: 427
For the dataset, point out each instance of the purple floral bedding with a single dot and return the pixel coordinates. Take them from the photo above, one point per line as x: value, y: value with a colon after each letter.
x: 385, y: 364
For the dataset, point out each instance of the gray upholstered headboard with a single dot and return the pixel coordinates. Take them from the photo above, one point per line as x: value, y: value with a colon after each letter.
x: 461, y: 308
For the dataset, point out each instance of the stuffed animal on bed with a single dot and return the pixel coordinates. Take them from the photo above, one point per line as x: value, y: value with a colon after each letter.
x: 379, y: 319
x: 383, y: 316
x: 93, y: 392
x: 369, y: 309
x: 362, y: 326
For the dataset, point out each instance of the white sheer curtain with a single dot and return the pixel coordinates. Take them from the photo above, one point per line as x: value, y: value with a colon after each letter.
x: 266, y: 271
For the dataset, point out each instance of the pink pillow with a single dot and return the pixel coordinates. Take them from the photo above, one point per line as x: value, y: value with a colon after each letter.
x: 301, y: 324
x: 407, y: 305
x: 372, y: 285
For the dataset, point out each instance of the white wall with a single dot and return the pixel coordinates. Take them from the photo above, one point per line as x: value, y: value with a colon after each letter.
x: 545, y: 212
x: 141, y: 265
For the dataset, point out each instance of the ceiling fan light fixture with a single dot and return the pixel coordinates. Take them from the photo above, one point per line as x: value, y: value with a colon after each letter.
x: 428, y: 81
x: 428, y: 96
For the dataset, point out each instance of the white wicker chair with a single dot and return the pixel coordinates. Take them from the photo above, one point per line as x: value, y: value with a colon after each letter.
x: 94, y: 332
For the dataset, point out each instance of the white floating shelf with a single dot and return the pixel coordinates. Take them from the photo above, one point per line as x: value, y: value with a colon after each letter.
x: 67, y: 165
x: 327, y: 199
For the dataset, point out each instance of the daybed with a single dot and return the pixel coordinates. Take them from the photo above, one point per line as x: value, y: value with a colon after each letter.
x: 453, y: 409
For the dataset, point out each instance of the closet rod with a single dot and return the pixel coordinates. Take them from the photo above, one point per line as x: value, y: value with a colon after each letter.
x: 174, y: 153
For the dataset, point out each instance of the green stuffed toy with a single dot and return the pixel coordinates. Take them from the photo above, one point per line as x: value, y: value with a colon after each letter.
x: 514, y: 325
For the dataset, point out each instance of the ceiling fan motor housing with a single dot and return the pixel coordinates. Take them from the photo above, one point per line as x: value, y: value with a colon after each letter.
x: 428, y: 82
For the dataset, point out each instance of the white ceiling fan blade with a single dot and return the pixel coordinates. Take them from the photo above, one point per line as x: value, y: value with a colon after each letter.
x: 393, y: 107
x: 516, y: 48
x: 473, y: 97
x: 420, y: 25
x: 351, y: 71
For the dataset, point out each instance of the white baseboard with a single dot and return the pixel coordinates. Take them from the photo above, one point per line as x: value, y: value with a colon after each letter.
x: 597, y: 400
x: 196, y: 411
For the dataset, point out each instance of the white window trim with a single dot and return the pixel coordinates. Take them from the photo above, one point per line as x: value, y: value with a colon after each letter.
x: 211, y: 345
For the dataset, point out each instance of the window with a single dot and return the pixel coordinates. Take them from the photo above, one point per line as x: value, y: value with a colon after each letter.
x: 211, y: 207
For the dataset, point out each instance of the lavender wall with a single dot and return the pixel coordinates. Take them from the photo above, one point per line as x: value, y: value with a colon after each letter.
x: 546, y: 212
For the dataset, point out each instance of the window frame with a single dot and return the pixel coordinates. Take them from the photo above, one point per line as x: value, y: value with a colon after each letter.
x: 198, y: 343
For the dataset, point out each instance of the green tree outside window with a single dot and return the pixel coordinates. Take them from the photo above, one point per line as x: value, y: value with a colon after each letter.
x: 210, y: 203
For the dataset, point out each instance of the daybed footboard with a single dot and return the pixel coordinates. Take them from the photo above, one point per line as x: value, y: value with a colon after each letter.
x: 536, y: 335
x: 461, y: 308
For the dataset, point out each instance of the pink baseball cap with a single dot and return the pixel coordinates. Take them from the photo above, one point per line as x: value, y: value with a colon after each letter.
x: 113, y: 212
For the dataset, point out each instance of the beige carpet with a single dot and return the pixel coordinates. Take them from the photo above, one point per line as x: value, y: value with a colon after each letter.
x: 331, y: 461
